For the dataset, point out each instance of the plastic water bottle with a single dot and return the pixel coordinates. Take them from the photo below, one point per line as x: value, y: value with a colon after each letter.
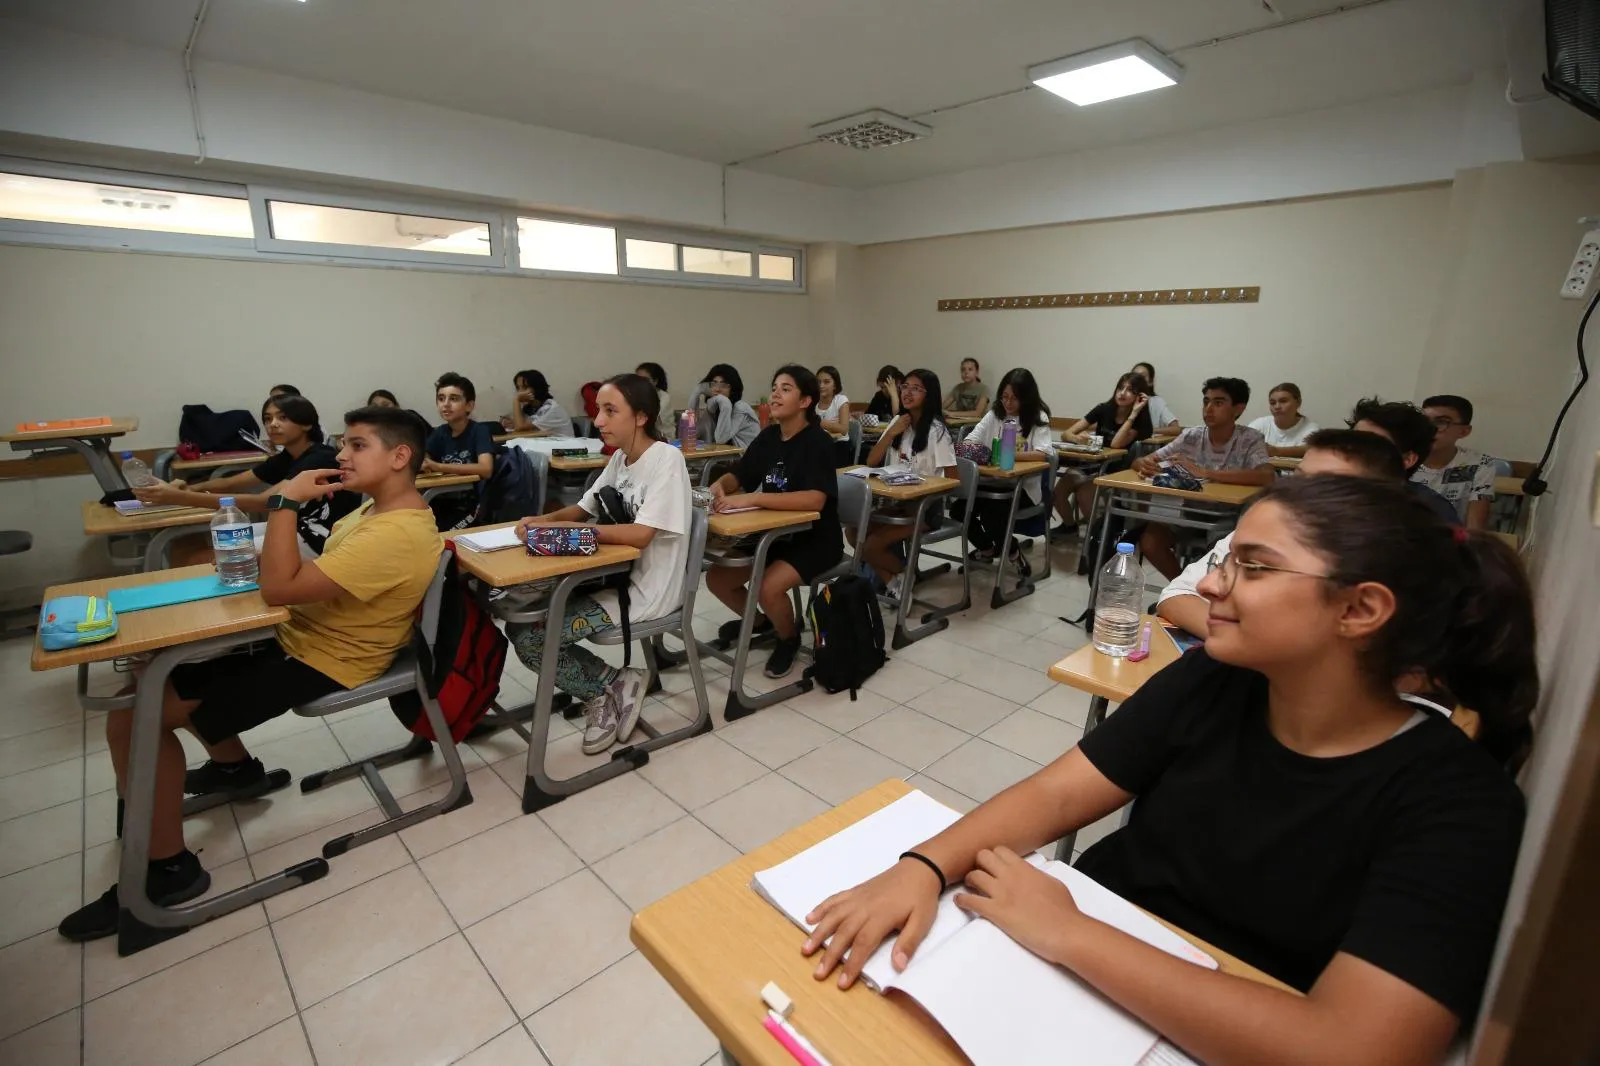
x: 233, y: 542
x: 135, y: 472
x: 1008, y: 444
x: 687, y: 431
x: 1117, y: 614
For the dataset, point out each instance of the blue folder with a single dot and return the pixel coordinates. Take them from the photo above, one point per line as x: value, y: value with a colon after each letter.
x: 167, y: 593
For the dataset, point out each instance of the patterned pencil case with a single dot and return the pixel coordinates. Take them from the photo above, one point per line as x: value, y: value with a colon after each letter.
x: 563, y: 540
x: 68, y: 621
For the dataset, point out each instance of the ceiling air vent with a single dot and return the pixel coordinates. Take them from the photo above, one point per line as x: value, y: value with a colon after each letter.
x: 869, y: 130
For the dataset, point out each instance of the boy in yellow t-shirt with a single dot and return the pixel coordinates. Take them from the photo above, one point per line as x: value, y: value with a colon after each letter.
x: 350, y: 611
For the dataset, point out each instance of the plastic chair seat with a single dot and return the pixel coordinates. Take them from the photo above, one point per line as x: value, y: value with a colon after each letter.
x: 15, y: 541
x: 401, y: 677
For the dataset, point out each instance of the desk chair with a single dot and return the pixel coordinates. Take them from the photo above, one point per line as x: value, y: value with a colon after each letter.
x: 408, y: 673
x: 582, y: 426
x: 853, y: 442
x: 951, y: 529
x: 161, y: 467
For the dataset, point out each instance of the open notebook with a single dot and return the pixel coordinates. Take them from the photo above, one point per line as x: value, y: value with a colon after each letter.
x: 1001, y: 1003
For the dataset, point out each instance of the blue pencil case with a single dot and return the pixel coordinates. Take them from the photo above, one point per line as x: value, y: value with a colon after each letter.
x: 68, y: 621
x: 167, y: 593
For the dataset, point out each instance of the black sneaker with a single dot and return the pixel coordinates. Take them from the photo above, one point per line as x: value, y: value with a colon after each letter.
x: 728, y: 632
x: 781, y: 661
x: 95, y: 921
x: 243, y: 780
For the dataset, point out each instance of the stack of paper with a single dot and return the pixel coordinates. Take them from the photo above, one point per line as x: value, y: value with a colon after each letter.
x: 128, y: 508
x: 490, y: 540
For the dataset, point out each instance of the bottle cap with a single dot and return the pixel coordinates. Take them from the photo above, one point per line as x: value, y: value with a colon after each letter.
x: 127, y: 455
x: 1122, y: 549
x: 227, y: 501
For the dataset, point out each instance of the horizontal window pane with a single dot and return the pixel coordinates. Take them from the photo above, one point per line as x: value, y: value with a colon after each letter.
x: 651, y: 255
x: 716, y: 261
x: 777, y: 268
x: 546, y: 245
x: 319, y: 224
x: 88, y: 203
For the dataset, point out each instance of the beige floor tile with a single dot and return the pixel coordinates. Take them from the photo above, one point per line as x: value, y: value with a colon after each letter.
x: 664, y: 861
x: 684, y: 704
x: 698, y: 771
x: 367, y: 733
x: 99, y: 819
x: 493, y: 802
x: 35, y: 899
x: 943, y: 793
x: 354, y: 867
x: 1039, y: 654
x: 612, y: 815
x: 838, y: 711
x: 514, y: 1047
x: 105, y: 971
x: 39, y: 978
x: 206, y: 1004
x: 583, y: 1028
x: 540, y: 948
x: 1012, y: 684
x: 842, y: 769
x: 434, y: 1007
x: 1015, y: 620
x: 213, y: 835
x: 760, y: 811
x: 31, y: 712
x: 969, y: 709
x: 43, y: 748
x: 1034, y: 735
x: 506, y: 743
x: 47, y: 786
x: 290, y: 813
x: 40, y: 837
x: 943, y: 655
x: 777, y: 735
x: 980, y: 769
x: 480, y: 875
x: 57, y: 1042
x: 909, y: 737
x: 98, y: 773
x: 1064, y: 702
x: 282, y: 1045
x: 355, y: 934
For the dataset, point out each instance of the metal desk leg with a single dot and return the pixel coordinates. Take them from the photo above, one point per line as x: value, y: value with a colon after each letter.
x: 1024, y: 587
x: 1097, y: 714
x: 934, y: 621
x: 739, y: 704
x: 429, y: 495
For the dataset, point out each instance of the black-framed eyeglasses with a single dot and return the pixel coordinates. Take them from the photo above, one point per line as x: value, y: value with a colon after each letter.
x: 1230, y: 565
x: 912, y: 386
x: 1445, y: 423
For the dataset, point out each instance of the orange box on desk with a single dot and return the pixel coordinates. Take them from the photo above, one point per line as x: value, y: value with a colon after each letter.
x: 64, y: 423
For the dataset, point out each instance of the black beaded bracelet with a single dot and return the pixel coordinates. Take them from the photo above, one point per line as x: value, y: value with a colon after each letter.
x: 929, y: 863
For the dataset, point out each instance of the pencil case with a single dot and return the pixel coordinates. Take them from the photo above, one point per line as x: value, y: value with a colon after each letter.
x: 562, y: 540
x: 69, y: 621
x: 569, y: 453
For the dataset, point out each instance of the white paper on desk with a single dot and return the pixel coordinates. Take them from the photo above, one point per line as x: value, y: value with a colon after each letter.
x: 490, y: 540
x: 550, y: 444
x: 1165, y: 1054
x: 738, y: 510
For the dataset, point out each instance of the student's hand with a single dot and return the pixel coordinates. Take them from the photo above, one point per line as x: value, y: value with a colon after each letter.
x: 506, y: 422
x: 1027, y: 904
x: 311, y: 485
x: 158, y: 493
x: 1139, y: 405
x: 737, y: 500
x: 717, y: 491
x: 524, y: 525
x: 1147, y: 466
x: 900, y: 424
x: 429, y: 466
x: 903, y: 897
x: 1190, y: 468
x: 525, y: 395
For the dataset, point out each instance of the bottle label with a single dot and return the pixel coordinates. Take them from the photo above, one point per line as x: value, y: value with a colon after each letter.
x: 233, y: 538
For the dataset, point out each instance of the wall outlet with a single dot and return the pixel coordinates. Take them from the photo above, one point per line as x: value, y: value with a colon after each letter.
x: 1584, y: 265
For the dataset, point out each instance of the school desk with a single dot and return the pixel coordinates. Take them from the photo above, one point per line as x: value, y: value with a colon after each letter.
x: 219, y: 464
x: 964, y: 418
x: 162, y: 527
x: 1005, y: 486
x: 569, y: 489
x: 920, y: 496
x: 515, y: 434
x: 1285, y: 464
x: 718, y: 943
x: 184, y: 632
x: 94, y: 444
x: 434, y: 485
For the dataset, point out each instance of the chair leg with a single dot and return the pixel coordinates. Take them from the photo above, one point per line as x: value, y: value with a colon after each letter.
x: 415, y: 748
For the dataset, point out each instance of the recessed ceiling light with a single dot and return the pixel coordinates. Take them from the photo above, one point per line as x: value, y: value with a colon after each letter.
x: 1107, y: 73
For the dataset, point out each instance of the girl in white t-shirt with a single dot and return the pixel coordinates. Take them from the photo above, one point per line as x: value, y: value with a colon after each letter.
x: 833, y: 411
x: 650, y: 476
x: 535, y: 408
x: 1018, y: 400
x: 917, y: 440
x: 666, y: 424
x: 1286, y: 429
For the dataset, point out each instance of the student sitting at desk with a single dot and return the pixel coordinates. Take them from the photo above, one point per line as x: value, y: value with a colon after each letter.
x: 650, y: 477
x: 885, y: 403
x: 1407, y: 428
x: 720, y: 400
x: 535, y: 408
x: 1119, y: 422
x: 1018, y: 400
x: 1286, y: 429
x: 1289, y: 807
x: 385, y: 398
x: 1462, y: 476
x: 350, y: 611
x: 666, y: 425
x: 458, y: 446
x: 917, y: 440
x: 788, y: 467
x: 970, y: 393
x: 292, y: 424
x: 1221, y: 450
x: 1162, y: 417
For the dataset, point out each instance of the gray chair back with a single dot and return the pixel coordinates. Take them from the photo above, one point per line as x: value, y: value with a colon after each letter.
x: 854, y: 442
x: 693, y: 566
x: 540, y: 462
x: 855, y: 506
x: 428, y: 624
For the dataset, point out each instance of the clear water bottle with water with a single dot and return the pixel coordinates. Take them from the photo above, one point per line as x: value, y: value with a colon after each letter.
x: 234, y: 544
x: 1116, y: 604
x: 135, y: 472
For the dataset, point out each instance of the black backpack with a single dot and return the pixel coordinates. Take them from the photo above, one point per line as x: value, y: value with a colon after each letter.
x: 213, y: 432
x: 512, y: 492
x: 849, y: 635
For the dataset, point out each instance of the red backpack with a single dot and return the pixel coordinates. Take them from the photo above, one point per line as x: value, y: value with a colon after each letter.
x: 463, y: 666
x: 591, y: 397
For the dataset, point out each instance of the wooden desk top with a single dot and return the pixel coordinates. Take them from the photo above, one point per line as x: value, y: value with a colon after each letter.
x: 1508, y: 486
x: 933, y: 486
x: 746, y: 523
x: 1162, y: 438
x: 509, y: 566
x: 1116, y: 679
x: 100, y: 520
x: 964, y: 418
x: 1067, y: 455
x: 218, y: 459
x: 1285, y: 462
x: 118, y: 427
x: 597, y: 461
x: 718, y: 943
x: 579, y: 462
x: 513, y: 434
x: 1231, y: 495
x: 160, y: 627
x: 1018, y: 470
x: 712, y: 451
x: 444, y: 481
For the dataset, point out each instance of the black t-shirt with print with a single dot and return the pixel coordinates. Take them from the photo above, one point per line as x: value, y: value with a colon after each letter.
x: 316, y: 518
x: 1104, y: 420
x: 1400, y: 855
x: 803, y: 463
x: 444, y: 447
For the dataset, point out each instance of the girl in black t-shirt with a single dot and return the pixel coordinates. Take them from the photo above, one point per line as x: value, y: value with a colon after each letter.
x: 788, y: 467
x: 1288, y: 807
x: 885, y: 403
x: 1122, y: 421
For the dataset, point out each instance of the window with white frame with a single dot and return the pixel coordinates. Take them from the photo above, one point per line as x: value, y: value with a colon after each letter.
x: 544, y: 244
x: 105, y: 205
x: 321, y: 224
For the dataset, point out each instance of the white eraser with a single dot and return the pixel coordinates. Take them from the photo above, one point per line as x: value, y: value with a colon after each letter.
x: 776, y: 1001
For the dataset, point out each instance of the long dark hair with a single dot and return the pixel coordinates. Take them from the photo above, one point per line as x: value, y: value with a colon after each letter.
x: 932, y: 409
x: 1134, y: 381
x: 832, y: 372
x: 1150, y: 378
x: 641, y: 396
x: 299, y: 410
x: 385, y: 393
x: 1463, y: 607
x: 536, y: 384
x: 1029, y: 407
x: 658, y: 376
x: 730, y: 375
x: 806, y: 382
x: 888, y: 370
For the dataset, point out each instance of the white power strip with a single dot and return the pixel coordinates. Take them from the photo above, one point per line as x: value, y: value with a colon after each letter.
x: 1584, y: 264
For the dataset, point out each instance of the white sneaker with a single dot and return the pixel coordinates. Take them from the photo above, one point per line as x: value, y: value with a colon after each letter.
x: 891, y: 591
x: 600, y: 723
x: 627, y: 696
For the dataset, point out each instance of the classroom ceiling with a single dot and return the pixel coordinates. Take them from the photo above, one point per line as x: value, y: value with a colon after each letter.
x: 731, y: 80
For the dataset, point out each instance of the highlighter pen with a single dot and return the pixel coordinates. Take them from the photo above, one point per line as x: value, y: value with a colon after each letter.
x: 1143, y: 651
x: 784, y: 1034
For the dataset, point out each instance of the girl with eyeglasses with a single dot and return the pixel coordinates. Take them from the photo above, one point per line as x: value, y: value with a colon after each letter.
x: 720, y: 400
x: 1288, y: 806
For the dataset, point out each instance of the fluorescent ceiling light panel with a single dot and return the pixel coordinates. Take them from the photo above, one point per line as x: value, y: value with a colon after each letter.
x: 1107, y: 73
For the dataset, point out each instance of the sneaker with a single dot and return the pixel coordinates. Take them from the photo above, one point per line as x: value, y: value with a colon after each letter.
x: 98, y: 920
x: 981, y: 555
x: 781, y: 661
x: 627, y: 696
x: 599, y: 723
x: 891, y: 591
x: 1020, y: 564
x: 728, y: 632
x: 232, y: 778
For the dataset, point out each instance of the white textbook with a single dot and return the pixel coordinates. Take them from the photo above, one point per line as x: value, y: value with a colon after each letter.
x: 1001, y: 1003
x: 490, y: 540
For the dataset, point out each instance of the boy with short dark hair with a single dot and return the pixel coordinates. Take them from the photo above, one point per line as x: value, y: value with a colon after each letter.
x: 1461, y: 475
x: 350, y: 611
x: 1407, y: 428
x: 458, y: 445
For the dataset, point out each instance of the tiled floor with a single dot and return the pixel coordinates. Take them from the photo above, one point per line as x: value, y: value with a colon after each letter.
x: 483, y: 936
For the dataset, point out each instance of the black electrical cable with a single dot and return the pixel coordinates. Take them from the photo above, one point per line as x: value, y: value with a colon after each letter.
x: 1534, y: 485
